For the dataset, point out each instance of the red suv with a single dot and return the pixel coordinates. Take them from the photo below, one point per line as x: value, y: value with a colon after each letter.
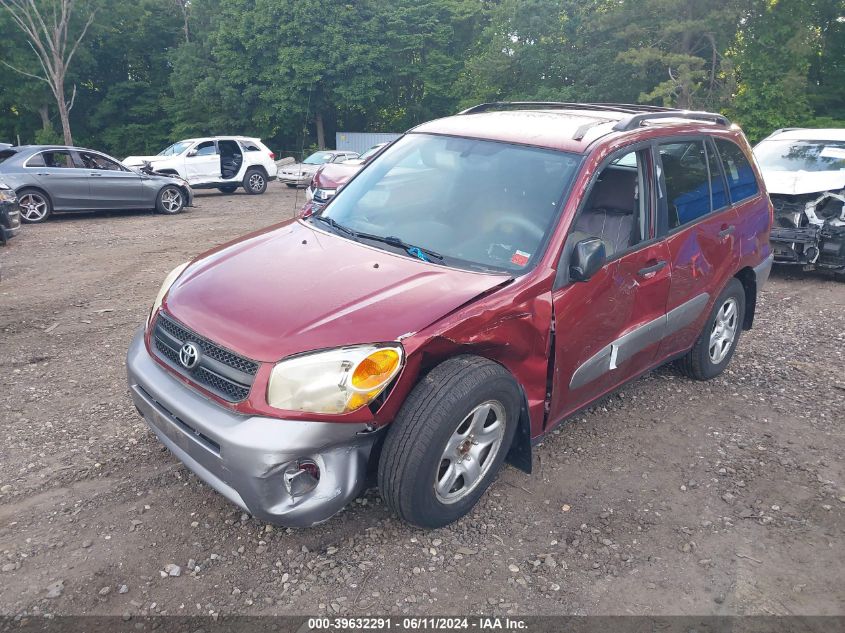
x: 482, y: 279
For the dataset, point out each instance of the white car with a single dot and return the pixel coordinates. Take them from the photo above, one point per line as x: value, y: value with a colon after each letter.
x: 804, y: 170
x: 221, y: 162
x: 300, y: 174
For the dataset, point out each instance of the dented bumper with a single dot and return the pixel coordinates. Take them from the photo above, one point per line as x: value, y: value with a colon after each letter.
x: 253, y: 461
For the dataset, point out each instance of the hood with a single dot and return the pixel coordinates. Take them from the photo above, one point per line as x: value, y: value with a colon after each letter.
x: 295, y: 288
x: 137, y: 160
x: 793, y: 183
x: 333, y: 175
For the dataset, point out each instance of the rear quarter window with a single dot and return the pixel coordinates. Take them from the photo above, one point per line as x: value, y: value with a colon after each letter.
x: 742, y: 183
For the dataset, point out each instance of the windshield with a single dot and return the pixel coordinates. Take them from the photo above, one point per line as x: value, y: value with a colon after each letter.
x: 175, y: 149
x: 318, y: 158
x: 374, y: 149
x: 801, y: 155
x: 478, y: 204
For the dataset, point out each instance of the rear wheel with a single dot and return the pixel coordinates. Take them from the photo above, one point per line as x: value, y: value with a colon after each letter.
x: 35, y: 205
x: 255, y: 182
x: 228, y: 188
x: 170, y: 200
x: 449, y: 441
x: 718, y: 340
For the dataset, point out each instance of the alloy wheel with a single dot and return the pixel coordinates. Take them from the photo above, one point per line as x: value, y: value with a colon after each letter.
x: 724, y: 331
x: 171, y: 200
x: 256, y: 182
x: 33, y: 207
x: 470, y: 452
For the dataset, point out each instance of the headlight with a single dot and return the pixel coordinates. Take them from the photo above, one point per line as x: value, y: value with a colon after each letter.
x: 334, y: 381
x: 168, y: 281
x: 6, y: 194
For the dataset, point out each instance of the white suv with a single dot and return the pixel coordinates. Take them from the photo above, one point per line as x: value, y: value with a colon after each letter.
x: 222, y: 162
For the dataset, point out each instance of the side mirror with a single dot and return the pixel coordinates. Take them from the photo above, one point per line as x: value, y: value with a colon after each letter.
x: 588, y: 256
x: 191, y: 153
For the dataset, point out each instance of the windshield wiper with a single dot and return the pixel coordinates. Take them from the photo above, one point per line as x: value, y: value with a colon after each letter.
x: 414, y: 251
x: 335, y: 225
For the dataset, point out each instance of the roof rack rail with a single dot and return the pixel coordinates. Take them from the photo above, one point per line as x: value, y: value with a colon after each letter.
x: 785, y: 129
x: 636, y: 120
x: 622, y: 108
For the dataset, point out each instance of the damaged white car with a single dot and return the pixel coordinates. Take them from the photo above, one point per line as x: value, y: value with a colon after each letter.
x: 804, y: 170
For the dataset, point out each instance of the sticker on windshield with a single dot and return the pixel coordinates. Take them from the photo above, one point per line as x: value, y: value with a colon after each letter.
x: 833, y: 152
x: 520, y: 258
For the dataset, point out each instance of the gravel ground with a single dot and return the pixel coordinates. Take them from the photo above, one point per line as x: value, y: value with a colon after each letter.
x: 670, y: 497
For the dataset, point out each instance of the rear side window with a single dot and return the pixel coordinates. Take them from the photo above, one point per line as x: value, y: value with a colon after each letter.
x: 687, y: 181
x: 51, y: 159
x: 250, y: 147
x: 741, y: 180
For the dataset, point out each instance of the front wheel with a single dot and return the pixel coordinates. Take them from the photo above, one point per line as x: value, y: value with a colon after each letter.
x: 35, y: 206
x: 448, y: 441
x: 717, y: 342
x: 170, y: 200
x: 255, y: 182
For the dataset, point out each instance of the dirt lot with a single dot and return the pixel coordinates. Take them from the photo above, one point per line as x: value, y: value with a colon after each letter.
x: 671, y: 497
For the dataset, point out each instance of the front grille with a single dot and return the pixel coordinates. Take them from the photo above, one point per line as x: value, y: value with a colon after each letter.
x: 208, y: 348
x: 222, y: 372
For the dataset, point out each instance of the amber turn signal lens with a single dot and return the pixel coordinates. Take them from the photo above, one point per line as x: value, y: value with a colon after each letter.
x: 375, y: 370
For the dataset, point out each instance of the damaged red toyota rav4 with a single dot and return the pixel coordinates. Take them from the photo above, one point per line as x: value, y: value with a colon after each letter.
x: 482, y: 279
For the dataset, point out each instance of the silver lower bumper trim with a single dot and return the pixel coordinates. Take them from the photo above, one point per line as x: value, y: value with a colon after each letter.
x: 245, y: 458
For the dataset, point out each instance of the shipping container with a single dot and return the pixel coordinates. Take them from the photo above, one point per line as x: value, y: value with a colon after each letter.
x: 362, y: 141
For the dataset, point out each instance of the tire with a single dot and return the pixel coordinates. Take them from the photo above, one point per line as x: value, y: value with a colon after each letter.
x: 429, y: 441
x: 255, y: 182
x: 170, y: 200
x: 291, y: 185
x: 713, y: 351
x: 35, y: 205
x: 228, y: 188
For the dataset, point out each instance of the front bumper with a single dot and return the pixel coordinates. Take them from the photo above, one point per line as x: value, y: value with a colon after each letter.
x: 292, y: 179
x: 190, y: 201
x: 10, y: 220
x: 245, y: 458
x: 8, y: 233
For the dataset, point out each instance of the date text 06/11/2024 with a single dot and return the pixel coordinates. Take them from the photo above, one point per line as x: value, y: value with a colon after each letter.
x: 417, y: 624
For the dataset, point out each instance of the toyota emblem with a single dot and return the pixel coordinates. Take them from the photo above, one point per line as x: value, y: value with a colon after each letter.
x: 189, y: 355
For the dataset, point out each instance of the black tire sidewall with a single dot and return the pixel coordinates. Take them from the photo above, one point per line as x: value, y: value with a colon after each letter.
x: 25, y: 192
x: 248, y: 175
x: 160, y: 207
x: 427, y: 510
x: 709, y: 369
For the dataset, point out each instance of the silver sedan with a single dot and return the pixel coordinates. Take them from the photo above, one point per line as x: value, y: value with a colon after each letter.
x: 53, y: 179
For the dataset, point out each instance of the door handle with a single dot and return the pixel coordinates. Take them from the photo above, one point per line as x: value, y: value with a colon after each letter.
x: 42, y: 174
x: 95, y: 174
x: 728, y: 230
x: 650, y: 270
